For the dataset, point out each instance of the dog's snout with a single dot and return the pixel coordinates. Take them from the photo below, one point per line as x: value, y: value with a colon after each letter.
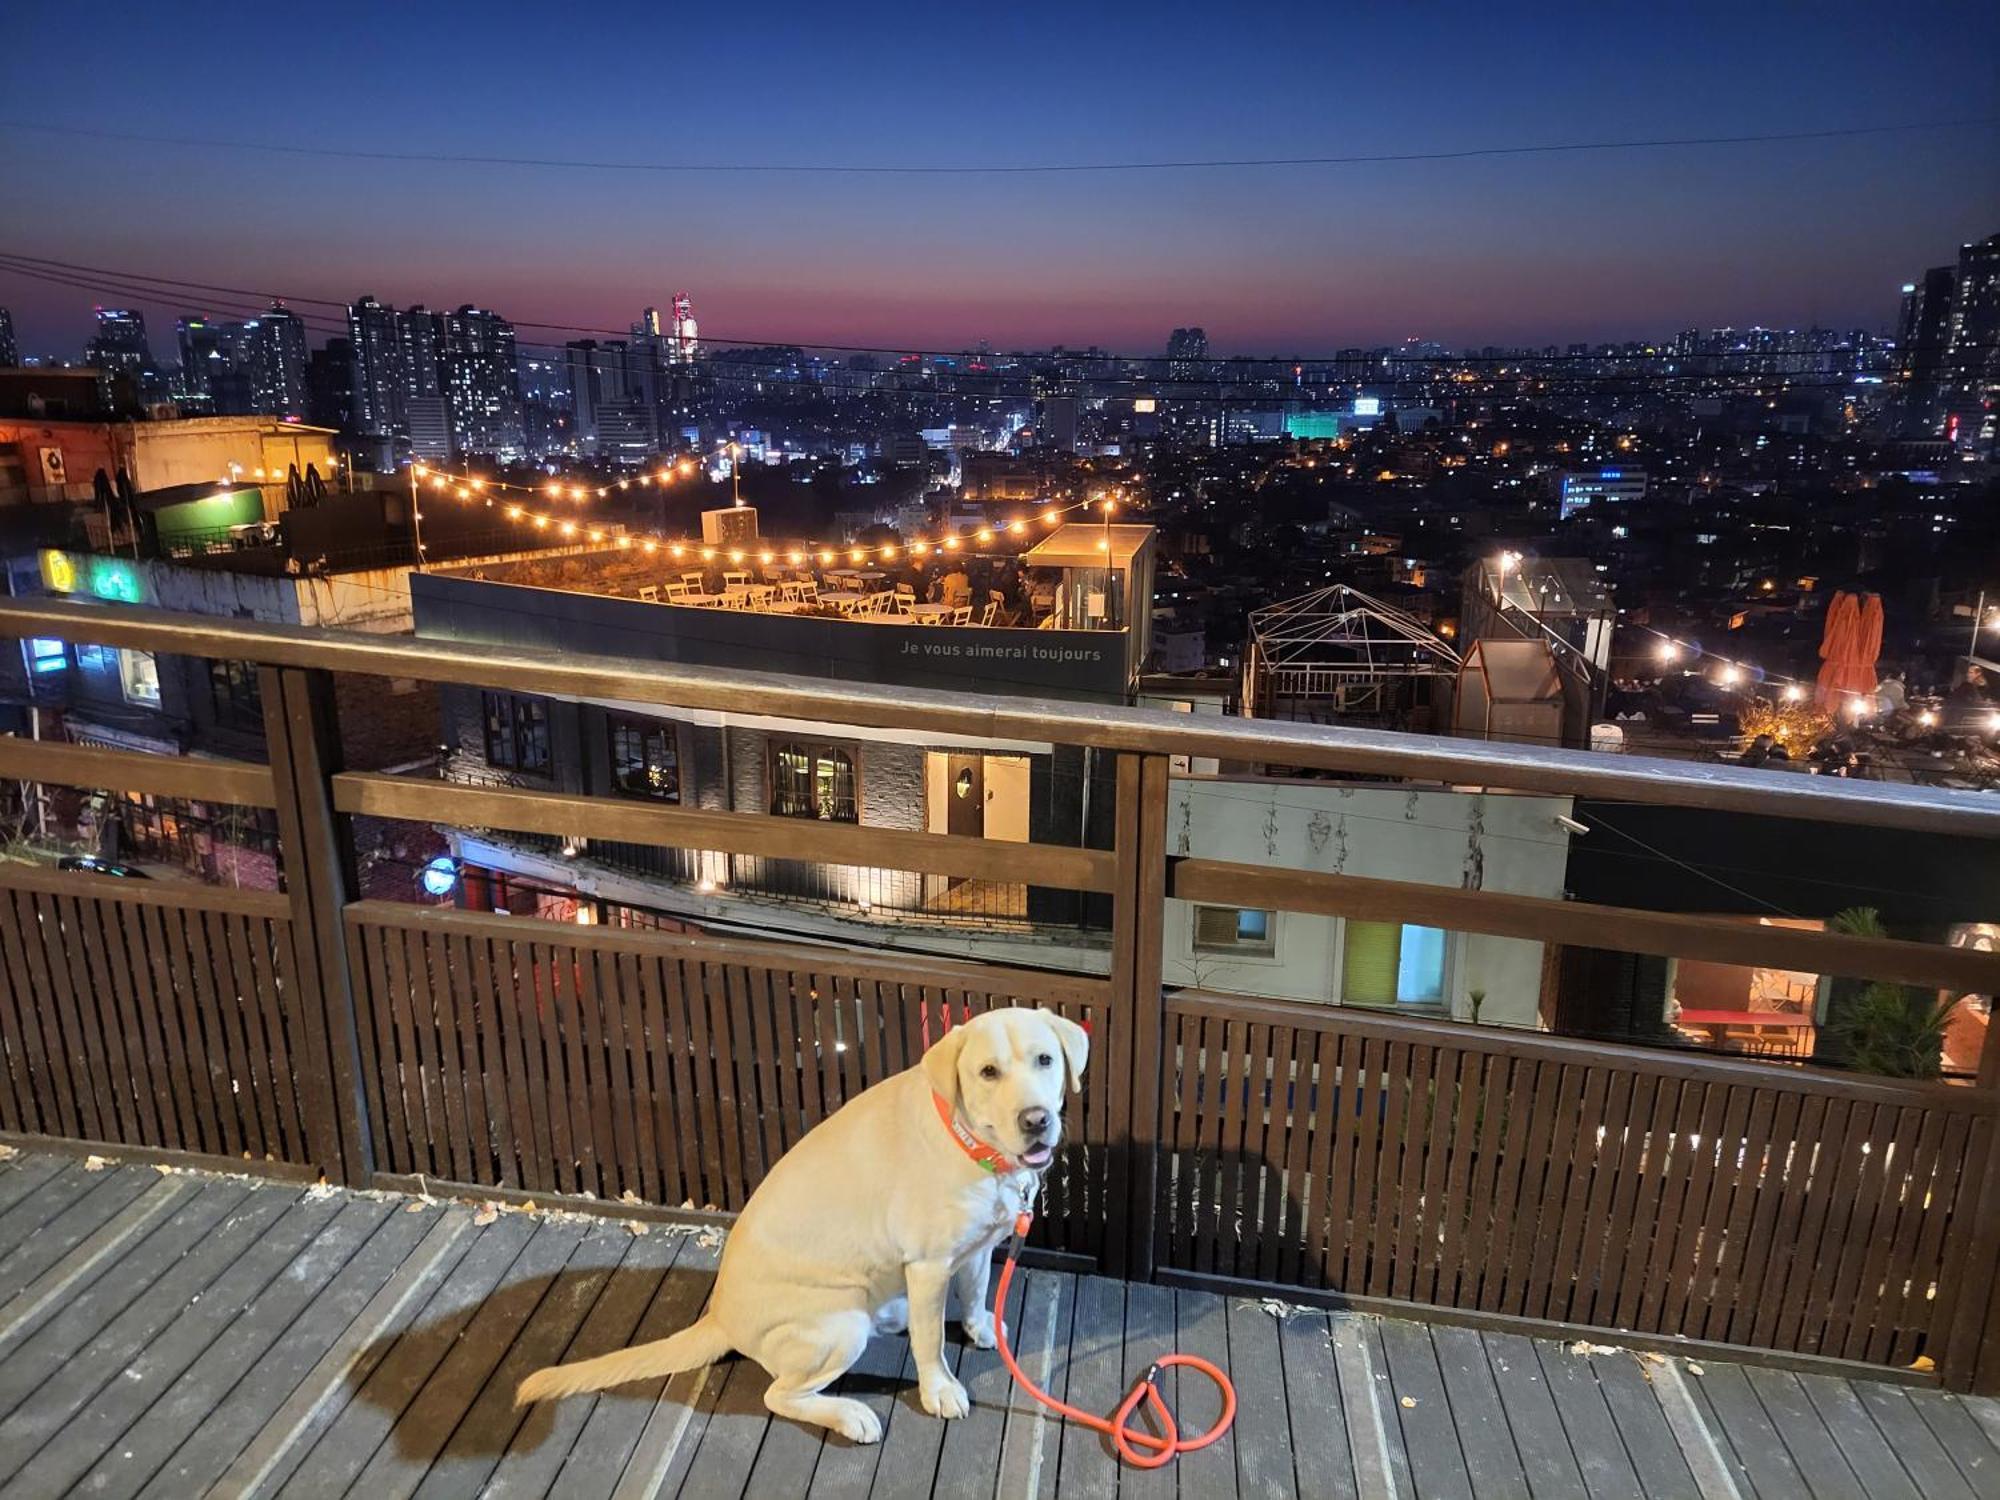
x: 1034, y: 1122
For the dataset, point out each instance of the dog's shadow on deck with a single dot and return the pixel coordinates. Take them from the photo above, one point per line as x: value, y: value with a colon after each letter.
x: 459, y: 1363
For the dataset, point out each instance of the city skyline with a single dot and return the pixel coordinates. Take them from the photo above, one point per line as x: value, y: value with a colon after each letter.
x: 1561, y: 247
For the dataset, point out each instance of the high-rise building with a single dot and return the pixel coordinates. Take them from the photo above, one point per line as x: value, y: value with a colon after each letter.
x: 10, y: 352
x: 208, y: 352
x: 685, y: 344
x: 1971, y: 373
x: 276, y: 345
x: 1922, y: 331
x: 482, y: 384
x: 612, y: 399
x: 330, y: 385
x: 1187, y: 349
x: 420, y: 337
x: 119, y: 345
x: 379, y: 382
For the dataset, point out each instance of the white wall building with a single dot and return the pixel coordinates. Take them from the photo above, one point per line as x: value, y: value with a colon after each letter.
x: 1467, y: 840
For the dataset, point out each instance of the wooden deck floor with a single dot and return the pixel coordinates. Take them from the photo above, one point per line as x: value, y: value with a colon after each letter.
x: 178, y: 1335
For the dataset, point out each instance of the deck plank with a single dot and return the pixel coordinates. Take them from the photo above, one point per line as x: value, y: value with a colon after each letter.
x: 78, y: 1215
x: 1368, y: 1405
x: 1095, y: 1368
x: 275, y: 1451
x: 969, y: 1463
x: 296, y: 1338
x: 1321, y: 1458
x: 555, y: 1255
x: 1423, y: 1411
x: 1961, y: 1437
x: 907, y: 1467
x: 1150, y: 1331
x: 1732, y: 1410
x: 215, y: 1379
x: 720, y: 1467
x: 26, y: 1212
x: 227, y: 1285
x: 1203, y: 1324
x: 1860, y: 1441
x: 1587, y: 1421
x: 21, y: 1175
x: 103, y: 1316
x: 1038, y: 1323
x: 1492, y: 1460
x: 1916, y: 1447
x: 1263, y: 1432
x: 608, y: 1425
x: 1813, y: 1448
x: 65, y: 1280
x: 1649, y: 1439
x: 372, y: 1408
x: 1547, y: 1461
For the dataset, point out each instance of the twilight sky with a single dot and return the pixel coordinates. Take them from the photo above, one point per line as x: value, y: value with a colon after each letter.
x: 1541, y: 248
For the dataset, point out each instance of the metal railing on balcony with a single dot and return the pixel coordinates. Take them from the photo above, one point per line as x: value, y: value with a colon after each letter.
x: 1512, y: 1178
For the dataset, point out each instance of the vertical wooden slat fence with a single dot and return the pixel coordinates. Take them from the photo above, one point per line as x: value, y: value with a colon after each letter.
x: 1526, y: 1176
x: 139, y: 1014
x: 504, y: 1052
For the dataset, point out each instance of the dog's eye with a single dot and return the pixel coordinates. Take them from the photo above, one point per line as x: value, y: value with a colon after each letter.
x: 1043, y: 1060
x: 989, y: 1072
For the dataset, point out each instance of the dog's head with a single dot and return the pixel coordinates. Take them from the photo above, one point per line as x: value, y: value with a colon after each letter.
x: 1006, y: 1072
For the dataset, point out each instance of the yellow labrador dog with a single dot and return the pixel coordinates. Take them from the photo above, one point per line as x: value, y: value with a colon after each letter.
x: 868, y: 1222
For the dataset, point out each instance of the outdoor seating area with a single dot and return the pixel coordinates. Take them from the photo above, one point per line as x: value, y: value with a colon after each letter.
x: 865, y: 594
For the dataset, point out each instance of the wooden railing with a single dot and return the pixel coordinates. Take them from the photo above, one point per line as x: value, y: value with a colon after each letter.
x: 1343, y: 1153
x: 1537, y: 1179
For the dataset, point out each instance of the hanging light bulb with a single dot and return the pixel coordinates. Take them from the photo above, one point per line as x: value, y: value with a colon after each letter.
x: 665, y: 475
x: 918, y: 549
x: 679, y: 550
x: 796, y: 558
x: 652, y: 546
x: 708, y: 554
x: 1051, y: 515
x: 1018, y: 527
x: 888, y: 552
x: 766, y: 558
x: 826, y: 557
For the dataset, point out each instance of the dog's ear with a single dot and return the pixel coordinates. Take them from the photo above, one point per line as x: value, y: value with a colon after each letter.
x: 1075, y: 1043
x: 940, y: 1063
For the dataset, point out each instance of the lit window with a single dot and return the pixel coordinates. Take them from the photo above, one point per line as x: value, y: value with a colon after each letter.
x: 1234, y: 929
x: 645, y: 759
x: 812, y: 781
x: 139, y: 675
x: 1388, y: 963
x: 47, y: 655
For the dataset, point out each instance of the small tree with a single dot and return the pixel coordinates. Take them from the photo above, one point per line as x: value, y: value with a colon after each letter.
x: 1896, y: 1030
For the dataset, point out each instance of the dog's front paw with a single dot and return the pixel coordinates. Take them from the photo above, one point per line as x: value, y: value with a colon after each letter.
x: 978, y: 1327
x: 944, y: 1397
x: 856, y: 1422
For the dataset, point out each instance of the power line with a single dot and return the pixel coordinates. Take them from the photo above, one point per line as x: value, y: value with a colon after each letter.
x: 134, y: 283
x: 879, y: 169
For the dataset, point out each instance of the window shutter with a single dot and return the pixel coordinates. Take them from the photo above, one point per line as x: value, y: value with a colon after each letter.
x: 1368, y: 963
x: 1215, y: 927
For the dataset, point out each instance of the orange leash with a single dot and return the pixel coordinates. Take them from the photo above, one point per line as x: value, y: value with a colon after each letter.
x: 1167, y: 1445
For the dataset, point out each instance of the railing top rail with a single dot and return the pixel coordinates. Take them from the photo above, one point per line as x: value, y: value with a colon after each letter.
x: 866, y: 705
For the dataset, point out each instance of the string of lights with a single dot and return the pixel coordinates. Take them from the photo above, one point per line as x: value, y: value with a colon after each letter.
x: 469, y: 487
x: 1732, y: 672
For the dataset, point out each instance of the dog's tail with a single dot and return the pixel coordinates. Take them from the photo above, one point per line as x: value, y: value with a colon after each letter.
x: 703, y: 1342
